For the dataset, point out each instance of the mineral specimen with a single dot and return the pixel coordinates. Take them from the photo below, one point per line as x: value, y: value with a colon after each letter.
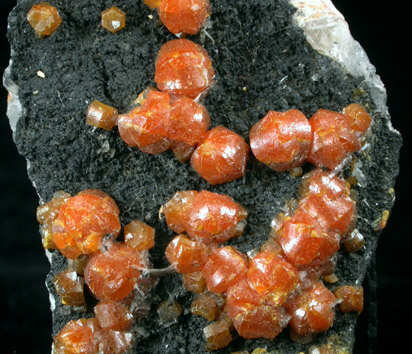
x: 102, y: 116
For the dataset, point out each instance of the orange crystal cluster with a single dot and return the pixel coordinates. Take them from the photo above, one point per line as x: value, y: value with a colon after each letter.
x: 44, y: 19
x: 84, y: 229
x: 181, y: 16
x: 280, y: 285
x: 286, y: 140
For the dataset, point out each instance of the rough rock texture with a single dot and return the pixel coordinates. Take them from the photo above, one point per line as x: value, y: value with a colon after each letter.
x: 262, y: 61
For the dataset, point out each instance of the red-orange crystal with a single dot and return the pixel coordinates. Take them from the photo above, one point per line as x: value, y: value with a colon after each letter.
x: 204, y: 305
x: 77, y: 337
x: 44, y: 18
x: 112, y: 274
x: 184, y: 15
x: 183, y: 68
x: 333, y: 138
x: 177, y: 210
x: 351, y: 297
x: 215, y: 218
x: 313, y: 311
x: 221, y: 157
x: 83, y: 221
x: 188, y: 256
x: 101, y: 115
x: 189, y: 121
x: 281, y: 140
x: 272, y: 277
x: 113, y: 315
x: 139, y: 235
x: 194, y: 282
x: 250, y: 316
x: 360, y: 119
x: 224, y: 267
x: 146, y: 127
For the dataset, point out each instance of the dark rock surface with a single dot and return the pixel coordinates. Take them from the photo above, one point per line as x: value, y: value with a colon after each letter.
x: 269, y: 57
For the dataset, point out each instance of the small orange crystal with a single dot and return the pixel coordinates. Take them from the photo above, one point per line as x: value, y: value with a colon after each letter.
x: 77, y: 337
x: 281, y: 140
x: 224, y: 267
x: 333, y: 138
x: 46, y: 214
x: 272, y: 277
x: 215, y: 218
x: 177, y: 210
x: 360, y: 119
x: 44, y: 18
x: 83, y: 221
x: 139, y: 235
x: 352, y: 298
x: 169, y: 311
x: 188, y: 256
x: 113, y: 315
x: 217, y: 335
x: 194, y: 282
x: 69, y: 286
x: 312, y: 311
x: 113, y: 19
x: 221, y: 157
x: 183, y: 68
x: 204, y: 305
x: 184, y: 15
x: 112, y: 274
x: 102, y: 116
x: 146, y: 127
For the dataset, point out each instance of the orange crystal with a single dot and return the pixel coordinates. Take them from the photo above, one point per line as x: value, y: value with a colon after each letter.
x: 184, y: 15
x: 146, y: 127
x: 217, y: 335
x: 46, y: 214
x: 333, y: 139
x: 169, y: 311
x: 83, y: 221
x: 215, y: 218
x: 112, y: 274
x: 113, y: 342
x: 177, y: 210
x: 360, y: 119
x: 281, y: 140
x: 204, y: 305
x: 77, y: 337
x: 113, y: 19
x: 351, y: 297
x: 183, y: 68
x: 188, y: 256
x: 303, y: 240
x: 44, y: 18
x: 101, y: 115
x: 153, y: 4
x: 189, y: 121
x: 194, y: 282
x: 224, y: 267
x: 312, y: 311
x: 251, y: 318
x: 139, y: 235
x: 69, y: 286
x: 272, y: 277
x: 113, y: 315
x: 221, y: 157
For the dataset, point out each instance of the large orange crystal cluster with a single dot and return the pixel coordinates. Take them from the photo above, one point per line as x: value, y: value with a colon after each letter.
x: 286, y: 140
x: 281, y: 284
x: 84, y: 228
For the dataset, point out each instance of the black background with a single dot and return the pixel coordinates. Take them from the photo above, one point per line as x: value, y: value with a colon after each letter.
x: 382, y: 28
